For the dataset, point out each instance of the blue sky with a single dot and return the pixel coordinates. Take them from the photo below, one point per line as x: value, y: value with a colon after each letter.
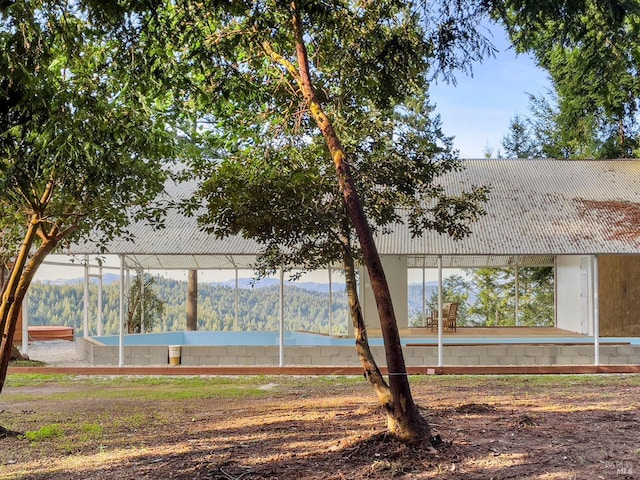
x: 477, y: 110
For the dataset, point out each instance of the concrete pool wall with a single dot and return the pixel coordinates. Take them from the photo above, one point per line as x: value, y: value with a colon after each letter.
x: 305, y: 349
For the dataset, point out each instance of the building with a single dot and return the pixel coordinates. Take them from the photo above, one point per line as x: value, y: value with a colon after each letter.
x: 579, y: 216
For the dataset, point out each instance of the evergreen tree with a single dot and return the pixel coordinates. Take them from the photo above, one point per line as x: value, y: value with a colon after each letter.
x: 51, y: 304
x: 518, y: 142
x: 495, y: 303
x: 145, y: 306
x: 591, y: 50
x: 455, y: 288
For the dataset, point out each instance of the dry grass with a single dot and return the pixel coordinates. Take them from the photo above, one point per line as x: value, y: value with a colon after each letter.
x: 250, y: 428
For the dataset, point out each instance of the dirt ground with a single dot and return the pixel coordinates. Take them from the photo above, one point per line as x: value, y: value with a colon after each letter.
x: 312, y: 428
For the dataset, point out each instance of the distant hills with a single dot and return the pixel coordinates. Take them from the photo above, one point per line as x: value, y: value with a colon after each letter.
x: 61, y: 303
x: 273, y: 282
x: 247, y: 283
x: 107, y: 278
x: 244, y: 283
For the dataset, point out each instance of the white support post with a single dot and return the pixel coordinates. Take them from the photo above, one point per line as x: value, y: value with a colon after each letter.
x: 596, y: 310
x: 237, y: 305
x: 85, y: 328
x: 121, y: 330
x: 99, y: 332
x: 330, y: 305
x: 281, y: 320
x: 440, y: 319
x: 424, y: 293
x: 25, y: 324
x: 517, y: 313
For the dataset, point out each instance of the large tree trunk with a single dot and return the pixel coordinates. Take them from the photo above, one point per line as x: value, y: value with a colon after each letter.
x: 16, y: 287
x: 12, y: 296
x: 371, y: 370
x: 404, y: 419
x: 22, y: 273
x: 192, y: 301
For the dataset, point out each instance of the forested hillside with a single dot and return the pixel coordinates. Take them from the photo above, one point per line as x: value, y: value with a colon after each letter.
x: 486, y: 297
x: 258, y: 309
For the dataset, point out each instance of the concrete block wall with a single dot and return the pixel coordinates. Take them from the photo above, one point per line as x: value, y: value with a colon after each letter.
x: 345, y: 356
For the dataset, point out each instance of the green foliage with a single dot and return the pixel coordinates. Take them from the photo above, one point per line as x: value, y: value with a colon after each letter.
x: 157, y: 388
x: 77, y: 116
x: 481, y: 293
x: 91, y: 432
x: 495, y: 299
x: 51, y: 304
x: 85, y: 128
x: 21, y: 380
x: 46, y: 432
x: 144, y: 304
x: 274, y: 180
x: 487, y: 297
x: 455, y: 288
x: 519, y: 141
x: 27, y: 363
x: 590, y: 49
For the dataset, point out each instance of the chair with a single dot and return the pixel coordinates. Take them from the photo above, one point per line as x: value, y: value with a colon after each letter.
x: 449, y: 317
x: 432, y: 316
x: 429, y: 319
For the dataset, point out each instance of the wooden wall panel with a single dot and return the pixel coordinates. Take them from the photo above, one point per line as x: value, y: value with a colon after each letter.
x: 607, y: 301
x: 619, y: 295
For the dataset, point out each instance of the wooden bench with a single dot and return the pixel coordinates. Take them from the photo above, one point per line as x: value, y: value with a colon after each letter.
x: 42, y: 332
x: 50, y: 332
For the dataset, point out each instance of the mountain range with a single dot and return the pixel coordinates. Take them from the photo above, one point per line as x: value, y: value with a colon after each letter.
x: 244, y: 283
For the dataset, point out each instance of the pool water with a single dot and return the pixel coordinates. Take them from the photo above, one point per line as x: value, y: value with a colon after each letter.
x: 315, y: 339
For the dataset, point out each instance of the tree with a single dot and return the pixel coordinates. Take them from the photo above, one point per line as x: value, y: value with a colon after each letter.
x: 455, y: 288
x: 81, y: 139
x: 495, y: 299
x: 590, y: 49
x: 248, y: 61
x: 518, y: 142
x: 495, y: 303
x: 296, y: 88
x: 145, y: 306
x: 247, y: 43
x: 192, y: 301
x: 536, y: 296
x: 293, y: 208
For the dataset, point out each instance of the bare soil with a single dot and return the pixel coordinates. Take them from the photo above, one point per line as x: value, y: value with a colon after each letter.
x: 497, y: 427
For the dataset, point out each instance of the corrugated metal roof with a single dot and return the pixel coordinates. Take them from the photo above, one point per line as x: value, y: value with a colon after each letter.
x: 541, y: 207
x: 536, y: 207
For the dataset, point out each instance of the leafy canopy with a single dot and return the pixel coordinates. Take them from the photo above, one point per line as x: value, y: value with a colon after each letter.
x: 273, y: 178
x: 81, y: 136
x: 590, y: 49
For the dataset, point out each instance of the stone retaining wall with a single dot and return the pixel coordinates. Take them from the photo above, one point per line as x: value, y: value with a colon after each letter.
x: 502, y: 355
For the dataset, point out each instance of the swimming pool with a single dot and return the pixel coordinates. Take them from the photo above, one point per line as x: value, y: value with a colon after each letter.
x: 219, y: 338
x: 311, y: 349
x: 227, y: 338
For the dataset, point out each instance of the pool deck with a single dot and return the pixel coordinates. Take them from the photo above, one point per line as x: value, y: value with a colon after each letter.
x: 486, y: 332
